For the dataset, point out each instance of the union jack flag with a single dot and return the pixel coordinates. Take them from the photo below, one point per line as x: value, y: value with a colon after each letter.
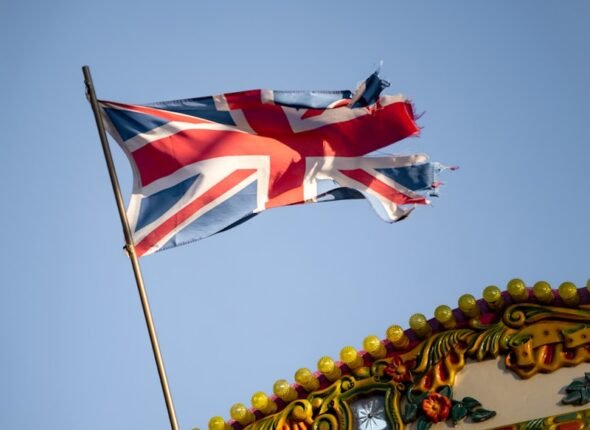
x: 204, y: 165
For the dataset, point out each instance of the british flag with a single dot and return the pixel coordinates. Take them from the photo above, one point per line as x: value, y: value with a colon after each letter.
x: 203, y: 165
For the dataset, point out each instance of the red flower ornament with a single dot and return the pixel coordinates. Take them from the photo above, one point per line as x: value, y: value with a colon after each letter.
x: 436, y: 407
x: 398, y: 370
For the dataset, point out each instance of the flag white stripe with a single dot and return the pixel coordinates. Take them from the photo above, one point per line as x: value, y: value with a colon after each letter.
x: 332, y: 116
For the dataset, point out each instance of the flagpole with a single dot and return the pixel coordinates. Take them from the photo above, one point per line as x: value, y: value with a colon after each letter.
x: 130, y: 247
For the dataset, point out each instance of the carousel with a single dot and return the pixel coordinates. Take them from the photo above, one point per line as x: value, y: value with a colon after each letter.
x: 515, y: 359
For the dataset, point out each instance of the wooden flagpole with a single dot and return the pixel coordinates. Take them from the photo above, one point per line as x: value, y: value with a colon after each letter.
x: 130, y: 247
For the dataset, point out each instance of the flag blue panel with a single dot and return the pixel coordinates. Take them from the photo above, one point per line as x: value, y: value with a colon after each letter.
x: 309, y: 99
x: 232, y: 211
x: 201, y: 107
x: 154, y: 206
x: 415, y: 178
x: 130, y: 124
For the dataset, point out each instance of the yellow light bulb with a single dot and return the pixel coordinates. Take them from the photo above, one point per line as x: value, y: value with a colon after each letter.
x: 569, y: 293
x: 326, y: 365
x: 517, y: 290
x: 468, y: 305
x: 493, y: 296
x: 419, y: 324
x: 306, y: 379
x: 303, y: 376
x: 568, y: 290
x: 328, y: 368
x: 543, y: 292
x: 217, y: 423
x: 418, y: 321
x: 281, y: 388
x: 395, y: 334
x: 238, y: 411
x: 348, y: 354
x: 373, y: 345
x: 260, y: 400
x: 263, y: 403
x: 444, y: 315
x: 350, y: 357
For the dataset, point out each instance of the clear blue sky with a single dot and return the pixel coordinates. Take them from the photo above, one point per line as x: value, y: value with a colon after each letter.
x: 505, y: 89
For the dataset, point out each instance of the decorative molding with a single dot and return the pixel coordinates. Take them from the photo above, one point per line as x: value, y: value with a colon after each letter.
x: 578, y: 420
x: 535, y: 330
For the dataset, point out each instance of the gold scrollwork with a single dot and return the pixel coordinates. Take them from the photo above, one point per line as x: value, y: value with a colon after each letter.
x: 533, y: 338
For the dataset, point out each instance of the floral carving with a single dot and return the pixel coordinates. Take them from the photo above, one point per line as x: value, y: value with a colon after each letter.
x: 398, y: 370
x: 436, y: 407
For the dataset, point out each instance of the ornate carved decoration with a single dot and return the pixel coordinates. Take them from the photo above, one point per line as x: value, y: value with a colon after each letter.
x: 416, y: 384
x: 409, y: 377
x: 578, y: 420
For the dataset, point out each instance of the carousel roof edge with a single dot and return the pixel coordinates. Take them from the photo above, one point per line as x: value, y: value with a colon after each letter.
x: 489, y: 309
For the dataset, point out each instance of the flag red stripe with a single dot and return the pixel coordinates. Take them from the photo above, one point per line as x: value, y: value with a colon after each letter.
x: 242, y: 99
x: 165, y: 156
x: 381, y: 187
x: 185, y: 213
x: 380, y: 127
